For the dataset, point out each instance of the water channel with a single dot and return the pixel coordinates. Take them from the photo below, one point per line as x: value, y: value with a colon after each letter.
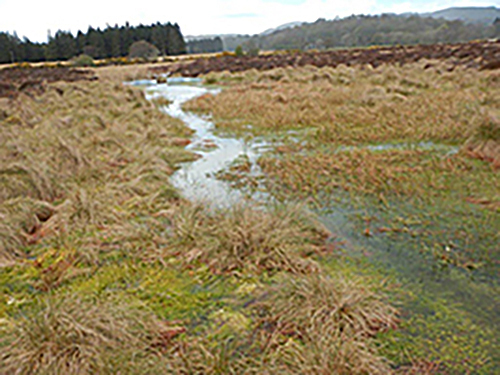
x: 475, y: 298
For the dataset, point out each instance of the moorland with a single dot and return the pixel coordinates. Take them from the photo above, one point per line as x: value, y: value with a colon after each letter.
x: 377, y: 251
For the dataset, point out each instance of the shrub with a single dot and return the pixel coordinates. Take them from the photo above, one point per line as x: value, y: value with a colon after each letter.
x: 143, y: 49
x: 254, y: 52
x: 82, y: 60
x: 238, y: 52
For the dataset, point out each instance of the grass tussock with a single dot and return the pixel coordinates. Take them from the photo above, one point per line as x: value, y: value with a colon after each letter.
x: 85, y: 153
x: 246, y: 239
x: 485, y: 142
x: 304, y: 324
x: 73, y: 336
x: 326, y: 325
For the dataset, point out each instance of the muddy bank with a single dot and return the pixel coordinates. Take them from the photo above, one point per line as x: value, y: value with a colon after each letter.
x: 15, y: 80
x: 478, y: 55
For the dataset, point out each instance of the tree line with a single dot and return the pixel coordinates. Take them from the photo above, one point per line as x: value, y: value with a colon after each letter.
x: 113, y: 41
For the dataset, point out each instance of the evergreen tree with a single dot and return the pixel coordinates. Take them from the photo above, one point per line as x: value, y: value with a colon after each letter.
x: 7, y: 48
x: 111, y: 42
x: 95, y: 43
x: 80, y: 42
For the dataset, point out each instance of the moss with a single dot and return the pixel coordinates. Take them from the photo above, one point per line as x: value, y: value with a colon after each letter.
x: 15, y: 289
x: 441, y: 332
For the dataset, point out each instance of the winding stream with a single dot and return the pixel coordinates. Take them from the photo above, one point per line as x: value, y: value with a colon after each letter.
x: 196, y: 180
x: 476, y: 299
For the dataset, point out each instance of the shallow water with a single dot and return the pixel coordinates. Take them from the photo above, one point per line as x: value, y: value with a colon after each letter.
x: 446, y: 149
x: 196, y: 180
x: 473, y: 295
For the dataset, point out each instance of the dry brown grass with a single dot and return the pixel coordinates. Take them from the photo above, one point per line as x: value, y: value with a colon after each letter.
x: 247, y: 239
x: 485, y: 142
x: 122, y: 73
x: 350, y: 106
x: 390, y: 173
x: 325, y: 325
x: 86, y: 153
x: 73, y: 336
x: 399, y: 106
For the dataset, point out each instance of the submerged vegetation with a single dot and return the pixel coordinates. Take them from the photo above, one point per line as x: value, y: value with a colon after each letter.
x: 402, y: 164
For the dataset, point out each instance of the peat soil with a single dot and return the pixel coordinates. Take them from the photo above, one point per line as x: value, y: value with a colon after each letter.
x: 477, y: 55
x: 18, y: 79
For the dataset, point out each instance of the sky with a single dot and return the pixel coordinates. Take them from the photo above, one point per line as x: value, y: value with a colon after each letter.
x: 34, y: 18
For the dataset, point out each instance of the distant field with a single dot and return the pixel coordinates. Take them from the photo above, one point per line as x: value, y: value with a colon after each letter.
x: 477, y: 55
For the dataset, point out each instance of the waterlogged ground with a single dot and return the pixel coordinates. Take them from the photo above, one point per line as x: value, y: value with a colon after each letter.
x: 380, y: 157
x: 197, y: 179
x: 388, y: 263
x: 106, y: 267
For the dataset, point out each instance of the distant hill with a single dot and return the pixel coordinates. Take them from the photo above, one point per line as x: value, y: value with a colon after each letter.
x: 486, y: 15
x: 281, y: 27
x: 385, y: 29
x: 447, y: 26
x: 231, y: 41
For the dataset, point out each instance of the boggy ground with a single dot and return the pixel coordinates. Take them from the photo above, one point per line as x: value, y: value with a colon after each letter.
x: 17, y: 79
x: 104, y: 268
x: 480, y: 54
x: 401, y: 163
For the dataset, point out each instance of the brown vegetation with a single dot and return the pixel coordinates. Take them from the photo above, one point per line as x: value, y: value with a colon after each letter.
x: 99, y: 145
x: 351, y: 106
x: 15, y: 80
x: 98, y: 251
x: 485, y: 142
x: 74, y: 336
x: 482, y: 55
x: 248, y: 240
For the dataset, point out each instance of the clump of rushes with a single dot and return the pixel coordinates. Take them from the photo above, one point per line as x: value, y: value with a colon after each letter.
x: 485, y: 142
x: 247, y: 239
x: 68, y: 335
x: 322, y: 325
x: 304, y: 325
